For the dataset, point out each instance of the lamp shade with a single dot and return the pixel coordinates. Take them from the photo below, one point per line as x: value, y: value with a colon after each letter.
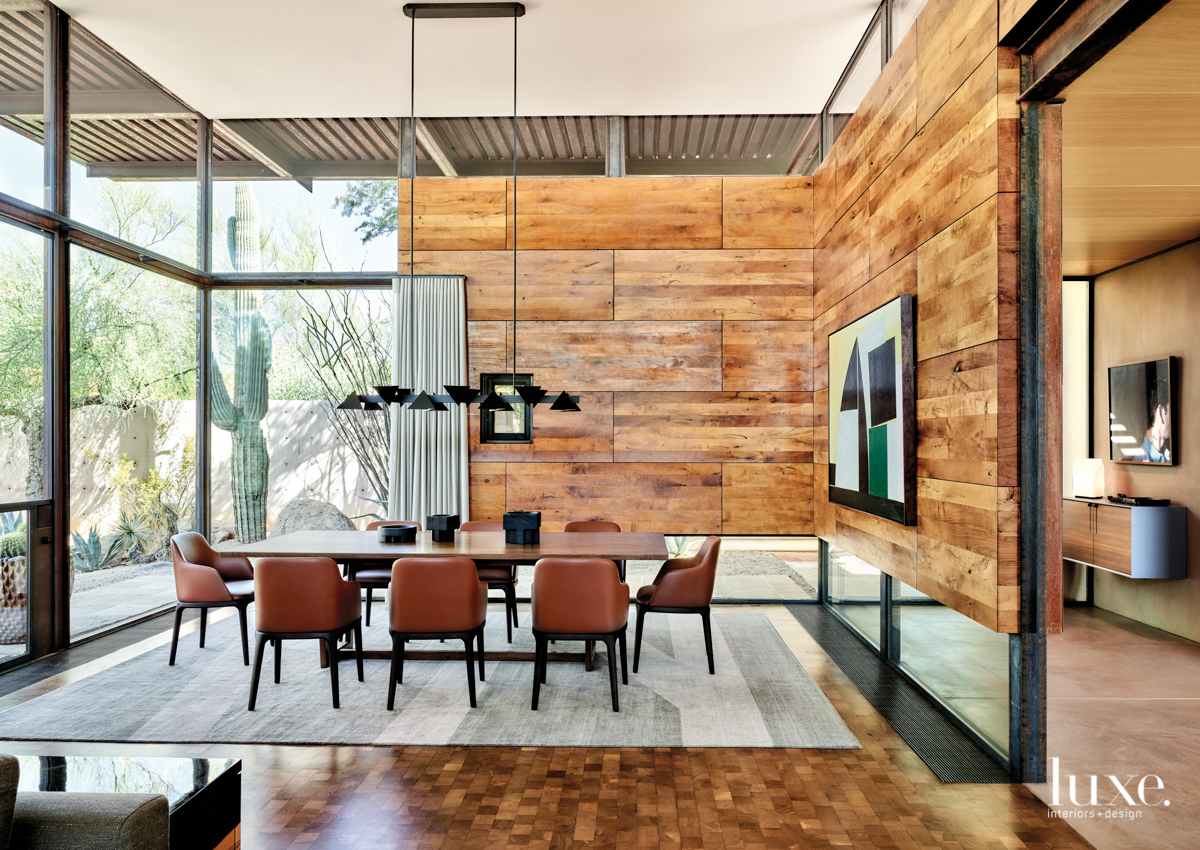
x: 1087, y: 476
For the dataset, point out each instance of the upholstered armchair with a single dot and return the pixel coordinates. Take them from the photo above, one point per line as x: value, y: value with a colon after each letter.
x: 682, y: 586
x: 206, y: 578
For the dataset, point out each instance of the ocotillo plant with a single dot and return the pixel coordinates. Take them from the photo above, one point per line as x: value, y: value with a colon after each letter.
x: 242, y: 413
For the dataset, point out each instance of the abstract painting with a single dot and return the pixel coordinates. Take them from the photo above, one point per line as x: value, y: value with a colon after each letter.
x: 872, y: 414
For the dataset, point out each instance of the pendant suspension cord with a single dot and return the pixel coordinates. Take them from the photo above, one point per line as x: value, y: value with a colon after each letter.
x: 412, y: 207
x: 514, y: 147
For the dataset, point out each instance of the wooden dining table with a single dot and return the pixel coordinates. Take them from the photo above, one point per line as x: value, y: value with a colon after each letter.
x: 479, y: 546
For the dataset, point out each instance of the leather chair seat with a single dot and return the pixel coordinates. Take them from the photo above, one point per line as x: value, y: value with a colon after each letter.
x: 495, y: 574
x: 240, y: 589
x: 374, y: 574
x: 644, y: 593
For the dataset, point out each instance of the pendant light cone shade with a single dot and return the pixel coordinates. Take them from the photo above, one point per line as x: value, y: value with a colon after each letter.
x: 494, y: 402
x: 372, y: 405
x: 461, y: 395
x: 531, y: 395
x: 393, y: 395
x: 425, y: 402
x: 563, y: 402
x: 350, y: 402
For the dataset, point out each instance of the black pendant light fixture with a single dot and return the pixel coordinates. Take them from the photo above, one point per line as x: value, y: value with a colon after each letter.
x: 458, y: 395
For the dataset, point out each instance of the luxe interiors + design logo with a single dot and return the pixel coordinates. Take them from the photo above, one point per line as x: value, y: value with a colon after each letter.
x: 1128, y: 800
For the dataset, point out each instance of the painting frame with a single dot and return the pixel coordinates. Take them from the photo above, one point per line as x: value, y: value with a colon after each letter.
x: 1119, y: 377
x: 872, y: 413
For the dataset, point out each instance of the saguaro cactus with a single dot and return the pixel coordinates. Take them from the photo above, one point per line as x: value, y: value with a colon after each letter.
x: 242, y: 413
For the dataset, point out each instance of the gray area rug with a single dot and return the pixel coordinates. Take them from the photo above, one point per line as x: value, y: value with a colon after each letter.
x: 760, y: 696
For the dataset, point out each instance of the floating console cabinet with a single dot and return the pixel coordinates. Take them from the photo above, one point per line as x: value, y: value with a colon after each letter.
x: 443, y: 527
x: 397, y: 534
x: 523, y: 527
x: 1137, y: 542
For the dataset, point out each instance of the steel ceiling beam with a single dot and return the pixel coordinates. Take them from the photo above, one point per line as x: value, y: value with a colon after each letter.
x: 428, y: 139
x: 262, y: 148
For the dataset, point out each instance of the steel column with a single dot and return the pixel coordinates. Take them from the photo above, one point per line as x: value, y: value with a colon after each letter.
x: 204, y: 189
x: 614, y: 150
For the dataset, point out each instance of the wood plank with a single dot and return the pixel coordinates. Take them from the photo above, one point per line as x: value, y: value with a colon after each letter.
x: 699, y: 427
x: 673, y: 498
x: 486, y: 489
x: 824, y: 522
x: 462, y: 213
x: 824, y: 196
x: 767, y: 356
x: 558, y: 436
x: 886, y: 545
x: 899, y: 279
x: 1008, y: 419
x: 767, y: 498
x: 564, y: 285
x: 750, y: 284
x: 842, y: 260
x: 1113, y: 538
x: 1008, y: 541
x: 957, y: 416
x: 767, y: 212
x: 619, y: 212
x: 947, y: 170
x: 957, y: 279
x: 821, y: 426
x: 1010, y: 13
x: 606, y: 356
x: 488, y: 273
x: 1008, y: 120
x: 488, y: 348
x: 954, y: 37
x: 1077, y: 533
x: 882, y: 125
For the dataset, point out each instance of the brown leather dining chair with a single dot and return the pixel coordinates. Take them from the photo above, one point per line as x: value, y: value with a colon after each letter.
x: 682, y: 586
x: 579, y: 599
x: 597, y: 525
x: 436, y: 598
x: 304, y: 599
x: 205, y: 578
x: 499, y: 575
x: 376, y: 575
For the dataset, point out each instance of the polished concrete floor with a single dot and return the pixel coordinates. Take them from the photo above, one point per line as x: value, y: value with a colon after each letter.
x: 1124, y: 701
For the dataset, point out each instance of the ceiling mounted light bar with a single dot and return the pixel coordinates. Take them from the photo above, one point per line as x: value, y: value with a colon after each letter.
x: 464, y: 10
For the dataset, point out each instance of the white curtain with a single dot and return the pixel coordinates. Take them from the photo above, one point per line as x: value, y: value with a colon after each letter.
x: 428, y: 473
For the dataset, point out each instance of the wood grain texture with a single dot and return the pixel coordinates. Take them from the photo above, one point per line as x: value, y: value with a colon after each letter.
x: 1008, y: 120
x: 676, y: 498
x: 488, y: 348
x: 824, y: 196
x: 1008, y: 545
x: 958, y: 275
x: 824, y: 522
x: 958, y: 415
x: 882, y: 125
x: 585, y: 435
x: 564, y: 285
x: 821, y: 426
x: 954, y: 37
x: 1010, y: 12
x: 899, y: 279
x: 767, y: 356
x: 947, y: 170
x: 767, y: 212
x: 618, y: 212
x: 749, y: 284
x: 883, y: 544
x: 486, y: 490
x: 1077, y: 535
x: 464, y: 213
x: 767, y: 498
x: 1113, y: 538
x: 699, y: 427
x: 842, y: 260
x: 489, y: 278
x: 659, y: 356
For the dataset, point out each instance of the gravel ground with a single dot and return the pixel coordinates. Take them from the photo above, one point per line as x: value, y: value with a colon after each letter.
x: 739, y: 562
x: 103, y: 578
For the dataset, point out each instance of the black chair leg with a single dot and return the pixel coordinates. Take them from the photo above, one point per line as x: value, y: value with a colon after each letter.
x: 510, y: 608
x: 259, y: 646
x: 637, y: 637
x: 331, y: 642
x: 175, y: 635
x: 370, y: 593
x: 538, y: 656
x: 624, y: 666
x: 400, y: 665
x: 396, y: 670
x: 245, y: 639
x: 481, y: 678
x: 203, y: 625
x: 467, y: 642
x: 358, y: 650
x: 612, y: 670
x: 707, y: 642
x: 516, y: 620
x: 278, y: 658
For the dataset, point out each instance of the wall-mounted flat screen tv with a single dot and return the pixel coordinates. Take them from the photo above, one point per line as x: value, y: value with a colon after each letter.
x: 1141, y: 424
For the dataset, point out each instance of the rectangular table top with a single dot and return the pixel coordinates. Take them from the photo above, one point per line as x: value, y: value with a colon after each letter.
x: 477, y: 545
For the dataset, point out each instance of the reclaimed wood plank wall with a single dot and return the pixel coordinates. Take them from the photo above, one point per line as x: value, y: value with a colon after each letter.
x: 680, y: 309
x: 919, y: 196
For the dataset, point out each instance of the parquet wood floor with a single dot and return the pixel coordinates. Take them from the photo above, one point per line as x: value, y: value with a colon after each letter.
x: 881, y: 796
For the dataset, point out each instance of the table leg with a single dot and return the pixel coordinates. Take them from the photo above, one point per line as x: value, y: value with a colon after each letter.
x: 589, y: 655
x: 324, y: 654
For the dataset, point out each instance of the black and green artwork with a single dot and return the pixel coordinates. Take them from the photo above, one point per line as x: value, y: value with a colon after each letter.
x: 872, y: 428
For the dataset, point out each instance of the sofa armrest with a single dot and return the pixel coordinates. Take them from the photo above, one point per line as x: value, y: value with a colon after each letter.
x: 10, y: 774
x: 53, y: 820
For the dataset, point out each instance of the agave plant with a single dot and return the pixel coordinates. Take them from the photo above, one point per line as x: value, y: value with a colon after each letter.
x: 89, y: 553
x: 132, y: 530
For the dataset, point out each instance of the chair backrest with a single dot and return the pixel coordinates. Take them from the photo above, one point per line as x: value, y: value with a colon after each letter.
x: 201, y: 572
x: 392, y: 523
x: 578, y: 596
x: 193, y: 549
x: 693, y: 588
x: 430, y: 595
x: 591, y: 525
x: 302, y: 595
x: 482, y: 525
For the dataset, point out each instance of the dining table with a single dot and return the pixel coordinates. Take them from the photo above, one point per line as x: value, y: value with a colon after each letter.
x: 479, y: 546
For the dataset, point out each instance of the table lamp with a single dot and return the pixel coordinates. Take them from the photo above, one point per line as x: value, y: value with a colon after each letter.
x: 1087, y: 476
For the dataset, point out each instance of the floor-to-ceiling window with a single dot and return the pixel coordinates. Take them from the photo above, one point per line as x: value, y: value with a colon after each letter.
x: 22, y: 91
